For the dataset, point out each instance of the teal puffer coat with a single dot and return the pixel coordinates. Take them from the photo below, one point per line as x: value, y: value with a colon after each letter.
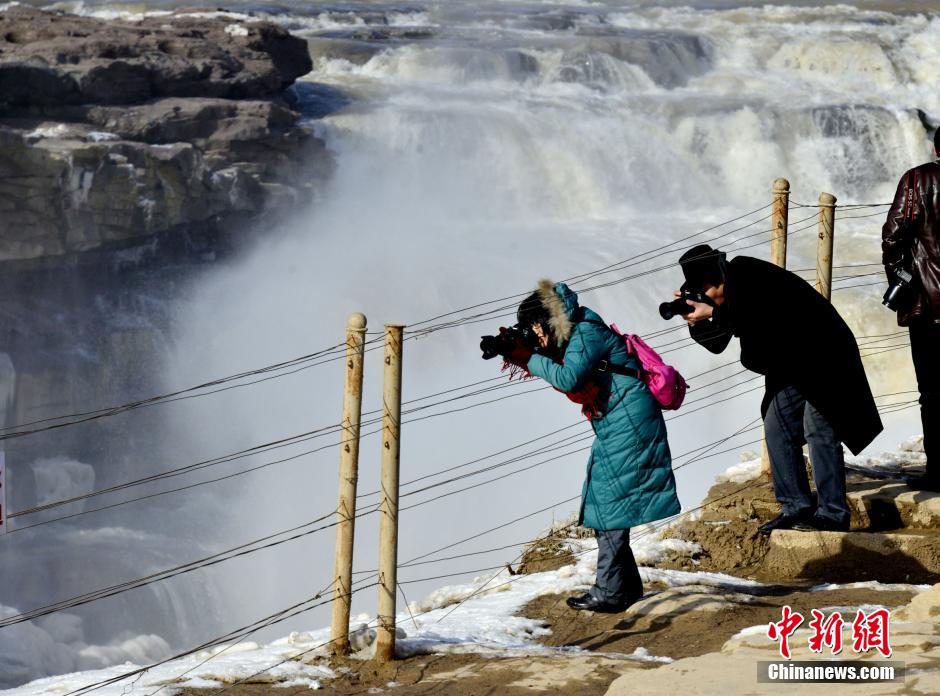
x: 629, y: 478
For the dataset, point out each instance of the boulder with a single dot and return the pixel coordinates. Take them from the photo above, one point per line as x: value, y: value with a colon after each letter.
x: 50, y: 59
x: 113, y: 133
x: 67, y: 188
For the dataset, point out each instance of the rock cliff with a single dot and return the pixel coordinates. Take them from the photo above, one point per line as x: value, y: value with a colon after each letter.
x: 114, y: 133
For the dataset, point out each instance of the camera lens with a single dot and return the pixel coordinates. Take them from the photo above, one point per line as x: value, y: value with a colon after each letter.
x: 892, y: 298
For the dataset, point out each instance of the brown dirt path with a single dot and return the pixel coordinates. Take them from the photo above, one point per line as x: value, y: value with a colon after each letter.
x: 457, y: 675
x: 687, y: 622
x: 677, y: 623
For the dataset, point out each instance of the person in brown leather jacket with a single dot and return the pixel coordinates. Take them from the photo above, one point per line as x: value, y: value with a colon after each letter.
x: 911, y: 241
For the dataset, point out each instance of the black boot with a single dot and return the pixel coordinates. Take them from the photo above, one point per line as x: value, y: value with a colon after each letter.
x: 784, y: 521
x: 587, y: 602
x: 818, y: 523
x: 923, y: 483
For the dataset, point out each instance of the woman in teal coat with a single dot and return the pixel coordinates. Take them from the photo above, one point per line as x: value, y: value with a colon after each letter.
x: 629, y: 478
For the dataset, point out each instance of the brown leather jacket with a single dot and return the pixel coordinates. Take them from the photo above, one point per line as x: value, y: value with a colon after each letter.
x: 916, y: 245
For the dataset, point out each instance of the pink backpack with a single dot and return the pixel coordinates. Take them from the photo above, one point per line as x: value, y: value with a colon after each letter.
x: 665, y: 382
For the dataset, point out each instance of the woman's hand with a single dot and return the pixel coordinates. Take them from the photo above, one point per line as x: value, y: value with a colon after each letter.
x: 519, y: 354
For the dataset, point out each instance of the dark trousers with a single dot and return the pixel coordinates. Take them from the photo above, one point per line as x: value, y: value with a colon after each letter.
x: 618, y: 578
x: 790, y: 422
x: 925, y: 349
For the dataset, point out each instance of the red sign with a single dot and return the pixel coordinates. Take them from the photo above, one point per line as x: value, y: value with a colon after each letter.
x: 869, y: 631
x: 784, y: 629
x: 826, y: 632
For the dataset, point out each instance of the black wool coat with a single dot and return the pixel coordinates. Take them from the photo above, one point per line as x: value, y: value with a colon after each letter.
x: 794, y: 337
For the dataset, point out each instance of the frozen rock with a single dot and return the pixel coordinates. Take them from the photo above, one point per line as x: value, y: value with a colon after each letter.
x: 116, y: 132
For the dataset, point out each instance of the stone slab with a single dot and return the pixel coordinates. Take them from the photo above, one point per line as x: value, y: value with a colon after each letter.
x: 912, y: 557
x: 893, y: 505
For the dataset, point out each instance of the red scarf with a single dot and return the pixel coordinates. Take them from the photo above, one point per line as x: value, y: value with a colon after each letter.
x: 591, y: 396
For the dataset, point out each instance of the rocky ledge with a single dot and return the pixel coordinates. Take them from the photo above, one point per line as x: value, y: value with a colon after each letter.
x: 121, y: 132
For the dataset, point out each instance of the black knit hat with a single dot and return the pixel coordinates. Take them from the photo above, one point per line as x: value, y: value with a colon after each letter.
x: 701, y: 264
x: 532, y: 311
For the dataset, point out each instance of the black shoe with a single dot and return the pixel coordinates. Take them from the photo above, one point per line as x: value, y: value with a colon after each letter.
x: 587, y: 602
x: 818, y: 523
x: 923, y: 483
x: 783, y: 521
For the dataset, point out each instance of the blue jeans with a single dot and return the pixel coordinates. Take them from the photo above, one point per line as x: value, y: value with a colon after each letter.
x: 618, y: 578
x: 790, y: 422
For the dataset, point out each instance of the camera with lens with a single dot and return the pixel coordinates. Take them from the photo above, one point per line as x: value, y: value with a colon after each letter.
x: 900, y: 290
x: 503, y: 342
x: 679, y: 306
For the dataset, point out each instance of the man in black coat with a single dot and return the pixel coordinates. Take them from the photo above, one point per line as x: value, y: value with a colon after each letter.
x: 816, y: 388
x: 910, y: 241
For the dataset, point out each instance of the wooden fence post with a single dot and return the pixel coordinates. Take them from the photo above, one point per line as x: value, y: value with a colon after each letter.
x: 827, y: 217
x: 780, y: 212
x: 348, y: 478
x: 388, y: 509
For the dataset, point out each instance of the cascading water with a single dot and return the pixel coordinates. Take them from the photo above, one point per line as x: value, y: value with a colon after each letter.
x: 484, y: 146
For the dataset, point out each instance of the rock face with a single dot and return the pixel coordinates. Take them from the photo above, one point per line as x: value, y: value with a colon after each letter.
x: 111, y: 133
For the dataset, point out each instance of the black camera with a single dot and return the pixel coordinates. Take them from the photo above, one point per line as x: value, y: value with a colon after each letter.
x: 900, y: 291
x: 503, y: 342
x: 679, y: 306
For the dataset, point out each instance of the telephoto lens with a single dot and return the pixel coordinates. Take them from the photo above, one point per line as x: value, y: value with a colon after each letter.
x: 678, y: 307
x: 491, y: 346
x: 899, y: 292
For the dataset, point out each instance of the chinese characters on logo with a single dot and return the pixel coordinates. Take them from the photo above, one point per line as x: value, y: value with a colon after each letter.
x: 869, y: 631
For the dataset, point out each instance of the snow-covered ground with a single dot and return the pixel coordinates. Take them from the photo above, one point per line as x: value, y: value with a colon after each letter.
x: 486, y: 622
x: 478, y: 616
x: 910, y: 453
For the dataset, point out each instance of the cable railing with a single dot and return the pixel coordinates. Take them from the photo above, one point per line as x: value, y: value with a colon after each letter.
x: 533, y: 453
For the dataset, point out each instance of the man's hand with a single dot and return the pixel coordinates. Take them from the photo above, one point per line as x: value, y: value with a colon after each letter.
x: 700, y: 310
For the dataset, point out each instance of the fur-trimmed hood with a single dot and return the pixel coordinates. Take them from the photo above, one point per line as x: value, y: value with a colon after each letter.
x: 561, y: 303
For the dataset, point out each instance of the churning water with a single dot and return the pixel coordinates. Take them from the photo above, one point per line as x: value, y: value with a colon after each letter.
x: 479, y: 147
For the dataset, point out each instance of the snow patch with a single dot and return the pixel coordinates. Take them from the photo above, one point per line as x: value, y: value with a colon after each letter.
x: 648, y: 551
x: 871, y: 585
x: 236, y: 30
x: 102, y: 136
x: 682, y: 578
x: 909, y: 453
x: 56, y: 644
x: 749, y: 631
x: 643, y: 655
x: 747, y: 470
x: 57, y: 131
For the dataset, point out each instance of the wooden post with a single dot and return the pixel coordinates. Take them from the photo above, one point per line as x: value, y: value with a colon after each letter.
x: 348, y: 478
x: 827, y: 216
x: 388, y: 526
x: 780, y: 213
